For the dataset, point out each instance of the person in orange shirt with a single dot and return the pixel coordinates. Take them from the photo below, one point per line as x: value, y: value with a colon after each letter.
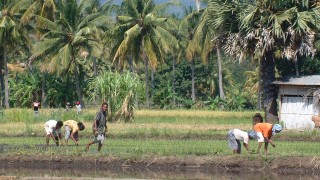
x: 265, y: 131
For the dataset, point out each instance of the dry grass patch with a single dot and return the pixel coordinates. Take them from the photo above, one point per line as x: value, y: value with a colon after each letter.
x: 194, y: 113
x: 118, y: 127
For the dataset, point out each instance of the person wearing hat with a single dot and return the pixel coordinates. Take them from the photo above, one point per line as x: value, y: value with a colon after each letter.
x: 72, y: 129
x: 265, y: 131
x: 78, y: 106
x: 236, y: 135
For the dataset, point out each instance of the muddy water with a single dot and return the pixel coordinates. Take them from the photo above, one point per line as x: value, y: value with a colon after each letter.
x: 24, y: 173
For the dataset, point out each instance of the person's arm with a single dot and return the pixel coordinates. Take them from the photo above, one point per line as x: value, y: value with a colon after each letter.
x: 51, y: 135
x: 95, y: 121
x: 60, y: 136
x: 95, y: 125
x: 268, y: 139
x: 247, y: 147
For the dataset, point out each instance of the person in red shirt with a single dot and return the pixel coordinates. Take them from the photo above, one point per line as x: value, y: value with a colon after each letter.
x: 36, y: 106
x: 265, y: 131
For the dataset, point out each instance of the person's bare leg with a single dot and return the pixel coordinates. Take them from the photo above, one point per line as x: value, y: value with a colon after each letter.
x: 88, y: 145
x: 99, y: 146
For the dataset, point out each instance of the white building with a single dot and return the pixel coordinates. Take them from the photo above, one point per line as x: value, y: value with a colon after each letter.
x: 295, y: 111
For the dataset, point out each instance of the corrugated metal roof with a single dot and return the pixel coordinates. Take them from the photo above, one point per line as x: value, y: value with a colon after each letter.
x: 312, y: 80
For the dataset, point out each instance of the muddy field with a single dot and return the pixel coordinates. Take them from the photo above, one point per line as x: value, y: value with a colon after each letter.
x: 281, y: 165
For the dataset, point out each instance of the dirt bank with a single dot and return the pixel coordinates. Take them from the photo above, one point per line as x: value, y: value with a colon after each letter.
x: 281, y: 165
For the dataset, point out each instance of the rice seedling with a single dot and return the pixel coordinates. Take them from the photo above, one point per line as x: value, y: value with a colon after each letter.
x: 159, y: 147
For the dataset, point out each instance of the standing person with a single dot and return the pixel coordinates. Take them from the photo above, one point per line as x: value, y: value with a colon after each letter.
x: 72, y: 129
x: 68, y: 106
x: 265, y: 131
x: 36, y: 106
x: 78, y: 106
x: 53, y: 130
x: 99, y: 127
x: 236, y: 135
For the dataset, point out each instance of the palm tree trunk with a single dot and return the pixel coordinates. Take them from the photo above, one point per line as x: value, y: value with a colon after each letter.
x: 173, y: 82
x: 95, y: 67
x: 78, y: 89
x: 296, y: 67
x: 152, y: 86
x: 43, y: 90
x: 2, y: 83
x: 269, y: 93
x: 259, y: 88
x: 131, y: 67
x: 6, y: 79
x: 198, y: 5
x: 193, y: 94
x: 147, y: 80
x: 221, y: 93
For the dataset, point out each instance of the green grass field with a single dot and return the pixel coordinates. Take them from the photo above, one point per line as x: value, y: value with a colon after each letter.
x: 153, y: 132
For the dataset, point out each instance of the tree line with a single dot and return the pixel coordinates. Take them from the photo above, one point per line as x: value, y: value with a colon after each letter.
x: 222, y: 56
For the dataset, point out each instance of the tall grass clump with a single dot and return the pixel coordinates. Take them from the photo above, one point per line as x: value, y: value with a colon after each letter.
x: 17, y: 115
x: 120, y: 90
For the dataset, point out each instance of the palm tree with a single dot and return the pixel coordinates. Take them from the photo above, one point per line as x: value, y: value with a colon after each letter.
x: 268, y: 26
x: 140, y: 33
x: 73, y: 33
x: 252, y: 84
x: 216, y: 22
x: 199, y: 40
x: 178, y: 50
x: 31, y: 8
x: 227, y: 80
x: 11, y: 35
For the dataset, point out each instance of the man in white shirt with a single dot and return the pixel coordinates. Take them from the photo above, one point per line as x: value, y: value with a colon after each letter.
x: 236, y: 135
x: 53, y: 130
x: 78, y: 106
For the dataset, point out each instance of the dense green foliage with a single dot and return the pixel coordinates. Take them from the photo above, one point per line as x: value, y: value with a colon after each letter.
x: 67, y: 47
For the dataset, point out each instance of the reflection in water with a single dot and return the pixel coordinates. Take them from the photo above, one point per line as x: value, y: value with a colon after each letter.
x: 148, y: 174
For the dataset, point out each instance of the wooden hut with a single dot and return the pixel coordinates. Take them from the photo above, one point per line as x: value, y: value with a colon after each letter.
x: 295, y: 110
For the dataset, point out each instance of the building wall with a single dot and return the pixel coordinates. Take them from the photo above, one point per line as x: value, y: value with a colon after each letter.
x: 296, y: 114
x: 295, y: 111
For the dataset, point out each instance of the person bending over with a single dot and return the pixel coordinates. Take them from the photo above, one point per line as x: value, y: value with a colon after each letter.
x: 72, y: 129
x: 53, y: 130
x: 236, y: 135
x: 265, y: 131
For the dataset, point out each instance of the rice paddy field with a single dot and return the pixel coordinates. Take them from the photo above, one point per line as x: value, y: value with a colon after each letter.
x: 152, y: 132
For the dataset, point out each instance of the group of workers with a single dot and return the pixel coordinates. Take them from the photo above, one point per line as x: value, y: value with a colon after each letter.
x: 72, y: 128
x: 263, y: 132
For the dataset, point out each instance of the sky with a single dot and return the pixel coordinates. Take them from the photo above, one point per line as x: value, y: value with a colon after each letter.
x: 174, y: 10
x: 185, y: 2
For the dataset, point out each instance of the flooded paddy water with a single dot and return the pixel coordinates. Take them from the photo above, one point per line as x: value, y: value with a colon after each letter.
x: 40, y: 169
x: 70, y: 174
x: 34, y: 162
